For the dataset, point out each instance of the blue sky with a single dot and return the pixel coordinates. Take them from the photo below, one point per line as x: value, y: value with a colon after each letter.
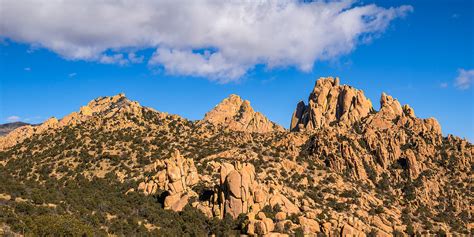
x: 424, y: 56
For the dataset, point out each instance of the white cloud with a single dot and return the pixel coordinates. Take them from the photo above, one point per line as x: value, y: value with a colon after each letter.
x: 185, y: 62
x: 237, y: 34
x: 35, y: 119
x: 465, y: 79
x: 27, y: 69
x: 134, y: 58
x: 443, y: 85
x: 73, y: 74
x: 13, y: 118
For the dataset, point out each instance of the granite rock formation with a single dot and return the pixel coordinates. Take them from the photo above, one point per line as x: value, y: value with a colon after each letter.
x: 237, y: 115
x: 177, y: 179
x: 344, y: 169
x: 238, y: 190
x: 330, y: 103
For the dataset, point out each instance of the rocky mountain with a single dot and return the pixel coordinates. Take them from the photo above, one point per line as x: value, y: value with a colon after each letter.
x: 8, y: 127
x: 236, y: 114
x: 343, y: 169
x: 330, y: 103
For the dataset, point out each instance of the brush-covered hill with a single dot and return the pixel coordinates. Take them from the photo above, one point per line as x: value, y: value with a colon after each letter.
x: 118, y: 168
x: 8, y: 127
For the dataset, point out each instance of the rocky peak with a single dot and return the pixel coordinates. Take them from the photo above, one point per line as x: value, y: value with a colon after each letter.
x: 333, y: 104
x: 106, y: 104
x: 238, y: 115
x: 227, y: 109
x: 389, y: 106
x: 330, y: 103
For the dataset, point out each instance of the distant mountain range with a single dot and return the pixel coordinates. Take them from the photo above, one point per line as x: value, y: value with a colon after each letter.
x: 8, y: 127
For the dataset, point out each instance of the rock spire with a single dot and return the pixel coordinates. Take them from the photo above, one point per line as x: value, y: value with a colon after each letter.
x: 330, y: 103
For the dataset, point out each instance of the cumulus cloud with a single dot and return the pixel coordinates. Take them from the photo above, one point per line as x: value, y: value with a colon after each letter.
x: 13, y: 118
x: 185, y: 62
x: 465, y: 79
x: 220, y: 40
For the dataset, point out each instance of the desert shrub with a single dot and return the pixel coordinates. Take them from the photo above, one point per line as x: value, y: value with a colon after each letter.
x: 270, y: 211
x: 350, y: 194
x: 59, y: 225
x: 376, y: 210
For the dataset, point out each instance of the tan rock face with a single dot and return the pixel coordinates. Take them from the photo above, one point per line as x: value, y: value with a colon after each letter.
x: 330, y: 103
x: 309, y: 226
x: 177, y: 178
x: 239, y: 192
x: 238, y: 189
x: 348, y: 230
x: 357, y: 137
x: 237, y: 114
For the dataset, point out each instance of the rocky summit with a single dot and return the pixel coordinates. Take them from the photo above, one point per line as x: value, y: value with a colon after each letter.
x: 236, y: 114
x: 330, y: 103
x: 341, y: 169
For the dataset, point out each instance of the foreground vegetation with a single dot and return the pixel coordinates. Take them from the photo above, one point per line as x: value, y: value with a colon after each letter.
x: 75, y: 207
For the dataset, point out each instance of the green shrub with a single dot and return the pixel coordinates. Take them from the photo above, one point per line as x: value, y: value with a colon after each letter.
x: 59, y: 225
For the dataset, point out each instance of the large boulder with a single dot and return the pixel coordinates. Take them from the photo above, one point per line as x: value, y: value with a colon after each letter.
x: 348, y: 230
x: 309, y: 226
x: 239, y: 192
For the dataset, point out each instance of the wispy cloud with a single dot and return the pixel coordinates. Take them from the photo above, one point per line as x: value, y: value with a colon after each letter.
x: 220, y: 40
x: 443, y: 85
x: 35, y: 119
x: 27, y: 69
x: 73, y: 74
x: 13, y: 118
x: 465, y: 79
x: 135, y: 58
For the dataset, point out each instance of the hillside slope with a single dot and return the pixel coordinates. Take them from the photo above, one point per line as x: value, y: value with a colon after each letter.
x: 116, y: 167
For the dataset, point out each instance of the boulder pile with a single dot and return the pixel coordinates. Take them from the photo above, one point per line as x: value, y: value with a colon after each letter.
x: 177, y: 179
x: 239, y: 192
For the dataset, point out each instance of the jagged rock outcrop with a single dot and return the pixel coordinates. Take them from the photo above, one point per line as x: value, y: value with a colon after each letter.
x: 177, y: 179
x: 106, y: 106
x: 237, y: 114
x: 109, y: 105
x: 330, y: 103
x: 238, y: 189
x: 364, y: 138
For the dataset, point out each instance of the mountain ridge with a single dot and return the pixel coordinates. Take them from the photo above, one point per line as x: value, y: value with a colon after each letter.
x: 344, y: 169
x: 106, y: 103
x: 8, y: 127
